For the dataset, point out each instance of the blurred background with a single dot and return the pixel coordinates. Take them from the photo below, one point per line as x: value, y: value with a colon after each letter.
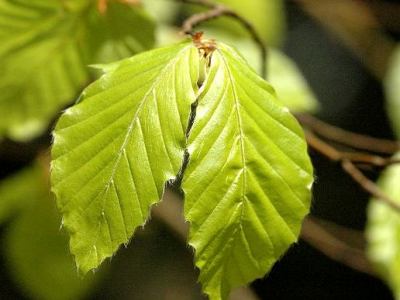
x: 342, y: 49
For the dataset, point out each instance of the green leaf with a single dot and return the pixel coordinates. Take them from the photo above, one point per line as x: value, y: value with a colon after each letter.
x: 383, y: 230
x: 36, y: 251
x: 14, y: 191
x: 391, y: 85
x: 282, y: 72
x: 115, y: 149
x: 247, y: 185
x: 46, y: 47
x: 288, y: 81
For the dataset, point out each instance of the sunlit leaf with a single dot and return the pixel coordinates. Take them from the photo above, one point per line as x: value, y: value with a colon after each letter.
x: 383, y: 231
x: 45, y: 49
x: 114, y: 151
x: 247, y: 186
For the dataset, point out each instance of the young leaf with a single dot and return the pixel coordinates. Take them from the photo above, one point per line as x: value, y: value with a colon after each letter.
x: 46, y: 47
x: 115, y: 149
x: 383, y: 230
x: 247, y: 185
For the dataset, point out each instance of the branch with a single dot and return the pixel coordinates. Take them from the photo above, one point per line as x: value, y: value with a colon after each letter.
x: 216, y: 11
x: 348, y: 166
x: 354, y: 140
x: 316, y: 233
x: 368, y: 185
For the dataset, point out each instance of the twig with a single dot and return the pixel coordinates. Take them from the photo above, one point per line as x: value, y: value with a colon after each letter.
x: 216, y: 11
x: 354, y: 140
x: 333, y: 247
x: 348, y: 166
x: 368, y: 185
x: 333, y: 154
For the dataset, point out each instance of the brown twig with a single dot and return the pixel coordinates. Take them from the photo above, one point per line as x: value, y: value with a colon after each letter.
x: 354, y: 140
x: 317, y: 234
x: 347, y: 164
x: 368, y: 185
x: 333, y: 154
x: 216, y: 11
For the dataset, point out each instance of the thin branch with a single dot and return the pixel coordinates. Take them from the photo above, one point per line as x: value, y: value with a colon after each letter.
x: 354, y: 140
x: 317, y: 235
x: 331, y: 153
x: 368, y: 185
x: 216, y: 11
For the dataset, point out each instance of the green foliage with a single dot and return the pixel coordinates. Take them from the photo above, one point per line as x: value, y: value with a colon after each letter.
x: 46, y: 47
x: 383, y: 231
x: 115, y: 150
x: 14, y: 191
x: 36, y: 250
x: 392, y: 91
x: 247, y: 186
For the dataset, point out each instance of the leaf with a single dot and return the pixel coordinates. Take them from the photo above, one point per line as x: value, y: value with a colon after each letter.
x: 383, y: 231
x: 391, y: 85
x: 288, y: 81
x: 36, y: 251
x: 115, y: 149
x: 14, y: 191
x: 247, y: 185
x: 46, y: 46
x: 283, y: 74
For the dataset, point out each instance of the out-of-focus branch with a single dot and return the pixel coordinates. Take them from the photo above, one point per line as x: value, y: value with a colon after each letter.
x: 216, y: 11
x: 355, y: 24
x: 317, y: 233
x: 348, y: 138
x: 348, y: 166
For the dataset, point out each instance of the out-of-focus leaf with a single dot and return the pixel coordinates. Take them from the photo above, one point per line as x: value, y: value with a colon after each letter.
x: 18, y: 191
x: 247, y: 185
x: 36, y: 250
x: 290, y: 85
x: 267, y: 17
x: 392, y: 91
x: 114, y: 151
x: 44, y: 52
x: 383, y: 231
x: 164, y: 11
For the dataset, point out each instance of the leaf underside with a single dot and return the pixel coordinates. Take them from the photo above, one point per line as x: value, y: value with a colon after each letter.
x: 247, y: 184
x: 45, y: 49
